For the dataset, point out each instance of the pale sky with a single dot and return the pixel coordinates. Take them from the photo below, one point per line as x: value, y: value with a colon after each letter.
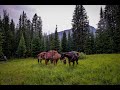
x: 52, y: 15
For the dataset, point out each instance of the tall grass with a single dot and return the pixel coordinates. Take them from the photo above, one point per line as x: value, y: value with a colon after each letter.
x: 101, y: 69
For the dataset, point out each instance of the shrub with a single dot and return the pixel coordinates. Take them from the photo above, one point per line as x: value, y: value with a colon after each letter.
x: 82, y: 55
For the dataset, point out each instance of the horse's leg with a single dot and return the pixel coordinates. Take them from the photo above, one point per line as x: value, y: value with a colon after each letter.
x: 73, y: 63
x: 56, y: 62
x: 38, y: 60
x: 51, y: 60
x: 77, y: 61
x: 69, y: 62
x: 64, y: 61
x: 46, y: 61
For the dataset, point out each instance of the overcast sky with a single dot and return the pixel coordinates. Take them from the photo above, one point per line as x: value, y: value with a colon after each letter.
x: 52, y: 15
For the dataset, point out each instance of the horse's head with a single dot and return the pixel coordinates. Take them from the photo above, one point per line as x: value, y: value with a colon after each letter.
x: 78, y: 54
x: 64, y: 61
x: 62, y: 56
x: 41, y: 55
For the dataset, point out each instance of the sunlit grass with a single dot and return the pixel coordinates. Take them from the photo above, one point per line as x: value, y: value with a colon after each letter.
x: 99, y: 69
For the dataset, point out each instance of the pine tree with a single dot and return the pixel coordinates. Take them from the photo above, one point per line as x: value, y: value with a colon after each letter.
x: 110, y: 28
x: 80, y: 27
x: 23, y: 29
x: 100, y: 33
x: 1, y: 41
x: 64, y: 42
x: 35, y: 46
x: 12, y: 32
x: 37, y: 29
x: 21, y: 51
x: 18, y: 32
x: 31, y: 39
x: 25, y: 26
x: 72, y: 42
x: 69, y: 42
x: 34, y: 22
x: 47, y: 45
x: 1, y: 38
x: 1, y: 24
x: 93, y: 48
x: 6, y: 35
x: 26, y: 31
x: 112, y: 15
x: 51, y: 41
x: 56, y: 41
x: 89, y: 43
x: 28, y: 37
x: 42, y: 44
x: 116, y: 35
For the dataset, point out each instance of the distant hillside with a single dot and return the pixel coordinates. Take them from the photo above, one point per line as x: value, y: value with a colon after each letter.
x: 60, y: 34
x: 92, y: 30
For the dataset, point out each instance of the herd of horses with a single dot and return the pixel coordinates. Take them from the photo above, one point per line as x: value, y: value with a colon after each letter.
x: 53, y: 56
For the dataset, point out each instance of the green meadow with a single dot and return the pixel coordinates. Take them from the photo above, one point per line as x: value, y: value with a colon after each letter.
x: 97, y: 69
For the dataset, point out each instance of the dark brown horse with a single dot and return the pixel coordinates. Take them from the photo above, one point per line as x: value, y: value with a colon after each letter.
x: 72, y: 57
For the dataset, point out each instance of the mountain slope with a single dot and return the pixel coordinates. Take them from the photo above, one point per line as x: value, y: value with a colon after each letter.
x: 60, y: 34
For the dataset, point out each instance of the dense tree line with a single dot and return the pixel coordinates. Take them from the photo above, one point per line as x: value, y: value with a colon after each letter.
x: 108, y: 31
x: 26, y: 39
x: 107, y: 37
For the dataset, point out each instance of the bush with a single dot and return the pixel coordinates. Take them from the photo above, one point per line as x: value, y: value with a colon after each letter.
x: 82, y: 55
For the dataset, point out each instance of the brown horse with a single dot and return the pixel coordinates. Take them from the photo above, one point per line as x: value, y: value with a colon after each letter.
x: 53, y: 56
x: 72, y: 56
x: 41, y: 56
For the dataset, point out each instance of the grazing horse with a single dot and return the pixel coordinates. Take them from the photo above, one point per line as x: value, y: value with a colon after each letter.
x: 41, y: 56
x: 53, y: 56
x: 56, y: 57
x: 76, y: 53
x: 72, y: 56
x: 49, y: 56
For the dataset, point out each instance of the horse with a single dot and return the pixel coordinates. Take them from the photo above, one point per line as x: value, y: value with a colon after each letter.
x: 55, y: 58
x: 76, y: 53
x: 41, y: 56
x: 63, y: 59
x: 72, y: 56
x: 51, y: 55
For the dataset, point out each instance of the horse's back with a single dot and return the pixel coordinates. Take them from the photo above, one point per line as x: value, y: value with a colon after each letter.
x: 57, y: 56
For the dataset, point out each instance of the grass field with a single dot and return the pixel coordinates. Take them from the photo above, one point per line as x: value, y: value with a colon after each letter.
x: 99, y: 69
